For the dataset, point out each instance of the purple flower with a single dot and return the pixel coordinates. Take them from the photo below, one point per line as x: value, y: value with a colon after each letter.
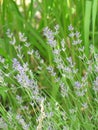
x: 96, y: 84
x: 78, y: 85
x: 70, y: 27
x: 50, y: 37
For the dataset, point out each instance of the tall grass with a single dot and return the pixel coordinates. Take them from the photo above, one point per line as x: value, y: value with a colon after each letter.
x: 49, y: 65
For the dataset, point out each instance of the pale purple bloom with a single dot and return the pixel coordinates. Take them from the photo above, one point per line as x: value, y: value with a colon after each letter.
x: 85, y: 105
x: 13, y: 41
x: 71, y: 35
x: 81, y: 49
x: 80, y: 93
x: 31, y: 52
x: 76, y: 42
x: 27, y: 44
x: 50, y: 37
x: 17, y: 66
x: 56, y: 51
x: 69, y: 59
x: 51, y: 70
x: 9, y: 34
x: 78, y: 85
x: 56, y: 29
x: 22, y: 38
x: 77, y: 34
x: 24, y: 80
x: 64, y: 89
x: 63, y: 44
x: 96, y: 84
x: 70, y: 27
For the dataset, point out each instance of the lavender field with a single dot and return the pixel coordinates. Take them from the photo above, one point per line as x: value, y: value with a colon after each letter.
x: 48, y: 64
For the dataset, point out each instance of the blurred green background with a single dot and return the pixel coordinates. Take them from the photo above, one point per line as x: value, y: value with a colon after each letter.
x: 31, y: 16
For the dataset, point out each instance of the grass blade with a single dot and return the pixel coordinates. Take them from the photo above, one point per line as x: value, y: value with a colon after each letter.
x: 94, y: 13
x: 87, y: 25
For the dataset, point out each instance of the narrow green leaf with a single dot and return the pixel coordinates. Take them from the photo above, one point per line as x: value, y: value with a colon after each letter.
x: 87, y: 17
x: 94, y: 13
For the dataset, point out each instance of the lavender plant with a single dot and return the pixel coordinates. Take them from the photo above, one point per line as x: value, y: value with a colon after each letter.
x: 59, y: 94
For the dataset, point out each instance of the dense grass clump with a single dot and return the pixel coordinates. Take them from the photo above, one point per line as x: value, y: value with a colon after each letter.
x: 48, y: 65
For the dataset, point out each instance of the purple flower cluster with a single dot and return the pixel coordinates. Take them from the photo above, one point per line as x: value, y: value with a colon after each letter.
x: 24, y: 80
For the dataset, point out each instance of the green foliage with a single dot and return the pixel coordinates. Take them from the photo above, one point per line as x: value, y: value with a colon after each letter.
x: 36, y: 91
